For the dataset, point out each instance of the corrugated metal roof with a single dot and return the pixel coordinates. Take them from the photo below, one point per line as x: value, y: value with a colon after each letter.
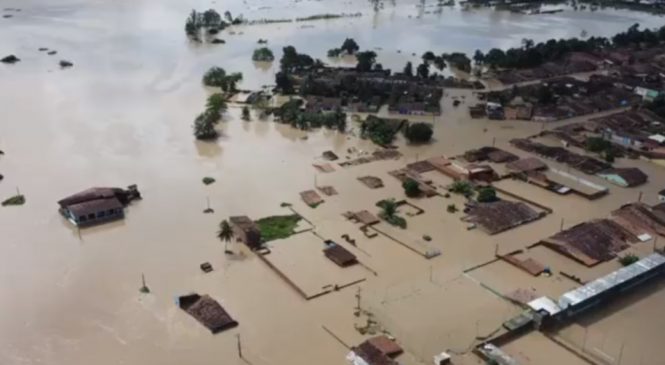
x: 544, y: 303
x: 611, y: 280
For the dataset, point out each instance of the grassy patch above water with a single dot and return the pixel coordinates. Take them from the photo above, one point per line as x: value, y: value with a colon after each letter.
x: 278, y: 226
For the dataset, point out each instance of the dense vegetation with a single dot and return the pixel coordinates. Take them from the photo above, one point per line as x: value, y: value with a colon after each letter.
x: 208, y: 180
x: 418, y: 132
x: 278, y: 227
x: 378, y: 130
x: 462, y: 187
x: 348, y: 47
x: 217, y: 77
x: 210, y: 21
x: 531, y: 55
x: 204, y: 124
x: 263, y: 54
x: 291, y: 113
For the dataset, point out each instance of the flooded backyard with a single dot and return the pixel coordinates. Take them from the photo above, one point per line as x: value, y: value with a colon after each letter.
x: 123, y: 114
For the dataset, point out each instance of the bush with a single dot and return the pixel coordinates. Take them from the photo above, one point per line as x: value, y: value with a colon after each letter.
x: 208, y: 180
x: 486, y: 195
x: 462, y: 187
x: 411, y: 188
x: 418, y: 132
x: 629, y: 259
x: 451, y: 208
x: 263, y: 54
x: 597, y: 144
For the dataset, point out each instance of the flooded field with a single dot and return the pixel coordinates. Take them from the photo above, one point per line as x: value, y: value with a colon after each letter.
x: 122, y: 115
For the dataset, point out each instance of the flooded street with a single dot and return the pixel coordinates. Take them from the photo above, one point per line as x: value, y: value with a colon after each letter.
x: 123, y: 114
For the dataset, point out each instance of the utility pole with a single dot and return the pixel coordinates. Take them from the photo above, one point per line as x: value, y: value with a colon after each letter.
x: 639, y: 197
x: 561, y: 227
x: 358, y: 301
x: 493, y: 141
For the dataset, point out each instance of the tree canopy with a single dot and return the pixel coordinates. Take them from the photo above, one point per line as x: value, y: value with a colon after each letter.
x: 487, y: 195
x: 350, y: 46
x: 411, y: 188
x: 408, y: 69
x: 217, y: 77
x: 423, y: 70
x: 292, y: 60
x: 366, y: 60
x: 263, y: 54
x: 418, y: 132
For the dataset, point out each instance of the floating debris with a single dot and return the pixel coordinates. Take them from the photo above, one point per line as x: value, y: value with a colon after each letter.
x: 42, y: 49
x: 51, y: 53
x: 218, y: 41
x: 65, y: 64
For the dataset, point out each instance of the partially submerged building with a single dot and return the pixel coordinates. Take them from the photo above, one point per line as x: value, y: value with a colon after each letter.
x: 207, y: 311
x: 599, y: 291
x: 246, y: 231
x: 625, y: 177
x: 592, y: 242
x: 496, y: 217
x: 379, y: 350
x: 97, y: 205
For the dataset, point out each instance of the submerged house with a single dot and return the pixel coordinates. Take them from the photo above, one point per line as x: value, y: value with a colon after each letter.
x: 97, y: 205
x: 246, y: 231
x: 625, y: 177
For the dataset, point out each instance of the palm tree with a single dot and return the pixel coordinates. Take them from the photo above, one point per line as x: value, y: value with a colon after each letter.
x: 389, y: 208
x: 225, y: 234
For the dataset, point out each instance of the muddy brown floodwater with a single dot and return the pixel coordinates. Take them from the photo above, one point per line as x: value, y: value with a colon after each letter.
x: 122, y: 115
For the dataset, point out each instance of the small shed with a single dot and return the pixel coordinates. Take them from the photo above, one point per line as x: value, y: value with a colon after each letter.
x: 339, y: 255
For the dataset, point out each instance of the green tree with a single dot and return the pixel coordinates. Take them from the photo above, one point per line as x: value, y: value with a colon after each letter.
x: 408, y: 69
x: 439, y: 63
x: 246, y: 114
x: 418, y: 132
x: 214, y: 77
x: 216, y: 103
x: 350, y: 46
x: 423, y: 70
x: 204, y: 126
x: 478, y: 57
x: 366, y: 60
x: 263, y: 54
x: 389, y: 208
x: 486, y: 195
x: 225, y: 234
x: 211, y: 18
x: 462, y: 187
x: 284, y: 83
x: 411, y: 188
x: 597, y: 144
x: 428, y: 56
